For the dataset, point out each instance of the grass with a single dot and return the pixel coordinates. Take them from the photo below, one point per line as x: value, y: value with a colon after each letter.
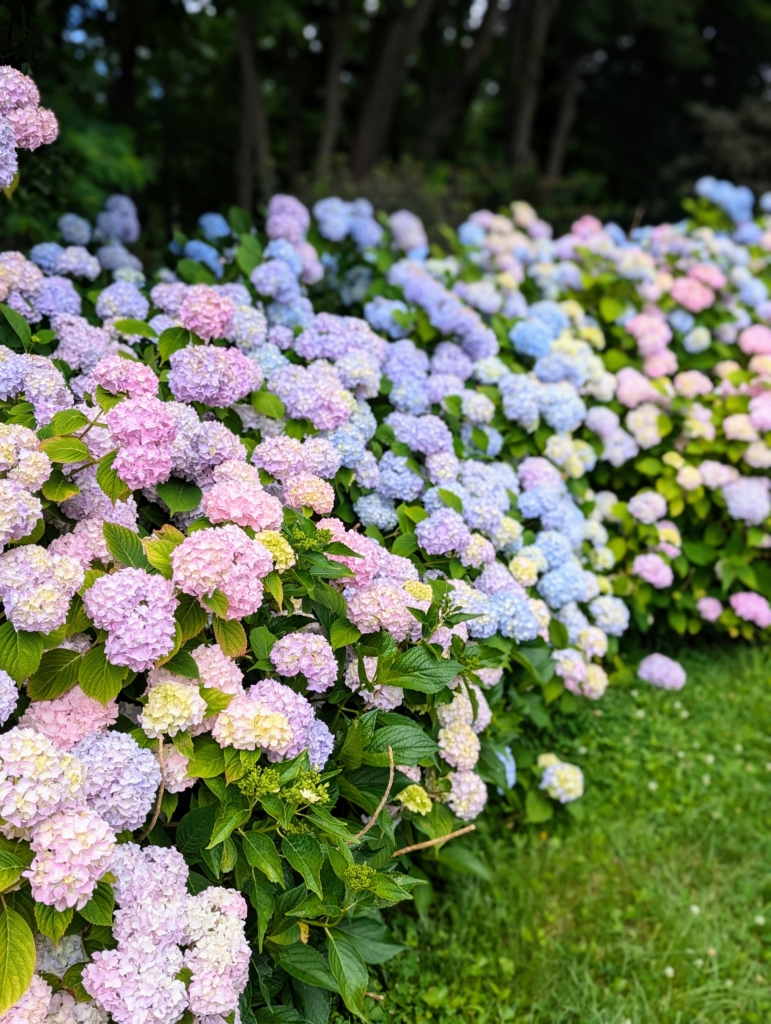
x: 654, y: 908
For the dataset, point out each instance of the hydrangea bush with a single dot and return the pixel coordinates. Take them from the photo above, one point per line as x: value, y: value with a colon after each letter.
x: 302, y: 533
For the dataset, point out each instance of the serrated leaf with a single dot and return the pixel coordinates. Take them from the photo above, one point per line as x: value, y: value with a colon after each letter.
x: 20, y: 653
x: 17, y: 957
x: 129, y: 326
x: 99, y: 908
x: 190, y: 617
x: 68, y: 421
x: 180, y: 495
x: 15, y: 857
x: 105, y: 399
x: 261, y: 641
x: 308, y: 965
x: 100, y: 679
x: 65, y: 449
x: 228, y: 819
x: 342, y: 633
x: 410, y: 745
x: 194, y: 830
x: 125, y: 546
x: 230, y: 635
x: 217, y: 603
x: 52, y: 922
x: 304, y: 854
x: 183, y: 664
x: 57, y: 673
x: 108, y: 479
x: 261, y: 853
x: 171, y: 340
x: 272, y: 583
x: 268, y: 404
x: 59, y: 487
x: 216, y: 700
x: 419, y: 669
x: 208, y: 759
x: 349, y: 971
x: 158, y: 552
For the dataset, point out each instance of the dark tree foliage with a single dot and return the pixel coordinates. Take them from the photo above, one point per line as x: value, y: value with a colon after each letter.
x: 444, y: 105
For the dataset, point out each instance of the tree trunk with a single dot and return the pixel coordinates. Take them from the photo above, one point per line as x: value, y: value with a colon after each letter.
x: 376, y: 115
x: 456, y: 93
x: 293, y: 114
x: 123, y: 88
x: 333, y: 91
x: 530, y: 29
x: 566, y: 115
x: 254, y: 134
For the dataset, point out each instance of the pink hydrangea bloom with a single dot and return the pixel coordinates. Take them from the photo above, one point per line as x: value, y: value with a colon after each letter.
x: 709, y: 608
x: 32, y: 126
x: 118, y: 374
x: 16, y: 90
x: 760, y: 411
x: 36, y: 779
x: 137, y: 609
x: 662, y: 364
x: 314, y: 393
x: 651, y: 333
x: 692, y: 294
x: 692, y: 383
x: 223, y: 558
x: 756, y: 340
x: 205, y: 312
x: 310, y: 491
x: 752, y: 608
x: 238, y: 497
x: 468, y: 795
x: 654, y: 570
x: 73, y: 850
x: 709, y: 274
x: 66, y: 720
x: 364, y: 568
x: 382, y: 605
x: 283, y: 456
x: 33, y: 1006
x: 661, y: 671
x: 308, y: 654
x: 632, y: 388
x: 217, y: 669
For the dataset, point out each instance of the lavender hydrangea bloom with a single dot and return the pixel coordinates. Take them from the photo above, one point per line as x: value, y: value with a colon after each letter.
x: 121, y: 778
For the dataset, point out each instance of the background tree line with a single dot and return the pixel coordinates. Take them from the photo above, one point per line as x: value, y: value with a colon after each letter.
x: 442, y: 105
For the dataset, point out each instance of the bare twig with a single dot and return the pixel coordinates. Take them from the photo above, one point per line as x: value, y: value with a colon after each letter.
x: 433, y: 842
x: 159, y: 798
x: 375, y: 995
x: 382, y: 803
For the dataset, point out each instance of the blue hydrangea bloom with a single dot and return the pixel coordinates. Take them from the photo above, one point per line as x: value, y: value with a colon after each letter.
x: 397, y: 480
x: 532, y: 338
x: 213, y: 226
x: 374, y: 510
x: 204, y: 253
x: 554, y: 547
x: 45, y: 255
x: 562, y: 585
x: 515, y: 617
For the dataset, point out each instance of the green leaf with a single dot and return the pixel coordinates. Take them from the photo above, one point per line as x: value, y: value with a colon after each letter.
x: 409, y: 742
x: 73, y: 982
x: 52, y: 922
x: 125, y: 546
x: 195, y: 830
x: 405, y: 545
x: 109, y: 481
x: 451, y: 500
x: 59, y: 487
x: 180, y: 495
x: 193, y: 272
x: 228, y: 819
x: 699, y: 553
x: 183, y: 664
x: 131, y: 326
x: 307, y: 964
x: 343, y: 633
x: 105, y: 399
x: 419, y: 669
x: 18, y: 325
x: 171, y: 340
x: 611, y: 308
x: 99, y: 908
x: 68, y: 421
x: 17, y: 957
x: 190, y: 616
x: 348, y: 970
x: 20, y: 653
x: 558, y: 634
x: 268, y: 404
x: 304, y: 854
x: 158, y: 552
x: 649, y: 466
x: 65, y: 449
x: 218, y: 603
x: 261, y: 640
x: 216, y: 700
x: 260, y: 851
x: 230, y: 635
x: 14, y: 858
x: 272, y: 583
x: 537, y: 808
x: 58, y: 672
x: 99, y: 678
x: 372, y: 940
x: 208, y: 761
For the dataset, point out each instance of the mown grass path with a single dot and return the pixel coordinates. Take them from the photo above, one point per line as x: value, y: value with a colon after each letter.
x: 653, y: 908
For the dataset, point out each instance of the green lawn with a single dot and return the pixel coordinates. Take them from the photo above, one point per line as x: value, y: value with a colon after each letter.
x: 654, y: 907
